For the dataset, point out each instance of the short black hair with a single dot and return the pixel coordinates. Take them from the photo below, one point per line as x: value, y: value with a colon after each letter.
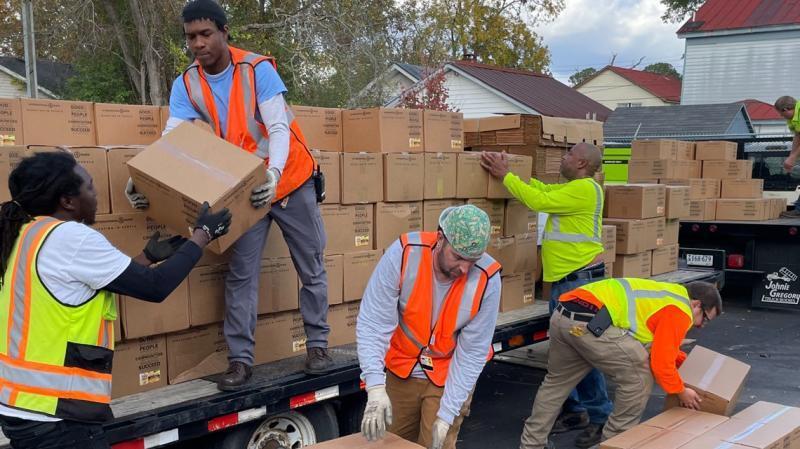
x: 205, y: 9
x: 707, y: 294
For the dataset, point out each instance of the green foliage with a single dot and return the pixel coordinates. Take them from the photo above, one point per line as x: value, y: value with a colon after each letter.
x: 100, y: 78
x: 663, y: 68
x: 679, y: 10
x: 581, y: 76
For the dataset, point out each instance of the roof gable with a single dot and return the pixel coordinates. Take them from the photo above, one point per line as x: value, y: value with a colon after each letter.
x: 758, y: 110
x: 720, y: 15
x: 688, y: 122
x: 664, y: 87
x: 50, y: 75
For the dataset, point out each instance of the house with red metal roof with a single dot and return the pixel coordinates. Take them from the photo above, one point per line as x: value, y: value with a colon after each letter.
x: 739, y: 49
x: 765, y: 119
x: 615, y: 87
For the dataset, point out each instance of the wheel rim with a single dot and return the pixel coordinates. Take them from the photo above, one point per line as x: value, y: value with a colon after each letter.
x: 285, y: 431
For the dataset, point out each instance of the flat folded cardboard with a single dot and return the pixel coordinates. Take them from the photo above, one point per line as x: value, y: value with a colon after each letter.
x: 609, y: 235
x: 357, y: 441
x: 717, y: 378
x: 143, y: 319
x: 210, y: 169
x: 636, y: 200
x: 207, y: 294
x: 342, y: 319
x: 403, y: 176
x: 742, y: 188
x: 94, y: 160
x: 139, y: 365
x: 395, y: 219
x: 519, y: 165
x: 636, y: 265
x: 699, y: 188
x: 444, y: 131
x: 715, y: 150
x: 635, y: 236
x: 278, y: 336
x: 519, y: 219
x: 745, y: 210
x: 432, y: 209
x: 646, y: 170
x: 496, y: 211
x: 118, y: 176
x: 742, y: 169
x: 278, y: 289
x: 665, y: 260
x: 125, y: 124
x: 702, y: 210
x: 440, y: 175
x: 662, y: 149
x: 322, y: 127
x: 334, y: 268
x: 361, y: 178
x: 11, y: 122
x: 360, y: 266
x: 472, y: 181
x: 667, y: 234
x: 330, y: 164
x: 348, y: 228
x: 125, y: 231
x: 382, y: 130
x: 196, y: 353
x: 56, y: 122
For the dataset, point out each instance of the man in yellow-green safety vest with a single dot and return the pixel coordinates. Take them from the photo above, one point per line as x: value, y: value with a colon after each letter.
x: 789, y: 108
x: 605, y: 325
x: 571, y: 256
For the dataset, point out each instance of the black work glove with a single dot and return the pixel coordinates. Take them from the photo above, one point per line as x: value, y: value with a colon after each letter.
x: 158, y: 250
x: 215, y: 225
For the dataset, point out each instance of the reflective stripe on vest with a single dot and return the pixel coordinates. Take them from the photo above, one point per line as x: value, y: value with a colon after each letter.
x: 632, y: 296
x: 556, y: 235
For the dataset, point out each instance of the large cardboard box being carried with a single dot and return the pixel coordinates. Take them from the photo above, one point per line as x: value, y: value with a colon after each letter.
x: 440, y: 175
x: 139, y: 365
x: 361, y: 178
x: 143, y: 318
x: 11, y: 122
x: 432, y: 209
x: 444, y: 131
x: 94, y: 160
x: 636, y: 200
x: 403, y: 176
x: 183, y: 169
x: 382, y: 130
x: 717, y: 378
x: 125, y: 124
x: 357, y: 441
x: 348, y: 228
x: 394, y: 219
x: 55, y: 122
x: 472, y: 181
x: 322, y: 127
x: 330, y: 164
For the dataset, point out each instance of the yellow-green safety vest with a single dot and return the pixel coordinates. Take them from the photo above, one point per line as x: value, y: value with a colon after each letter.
x: 794, y: 123
x: 631, y: 302
x: 55, y: 358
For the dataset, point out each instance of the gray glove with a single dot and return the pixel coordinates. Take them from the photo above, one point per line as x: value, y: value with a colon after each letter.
x: 137, y: 200
x: 265, y: 193
x: 439, y: 433
x: 377, y: 414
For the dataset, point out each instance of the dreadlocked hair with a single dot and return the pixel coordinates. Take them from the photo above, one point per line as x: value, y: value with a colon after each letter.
x: 37, y: 186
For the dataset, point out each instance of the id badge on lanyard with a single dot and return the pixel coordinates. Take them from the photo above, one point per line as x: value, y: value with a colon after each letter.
x: 426, y: 360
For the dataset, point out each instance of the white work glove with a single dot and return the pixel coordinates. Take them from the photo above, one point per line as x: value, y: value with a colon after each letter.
x: 439, y: 433
x: 377, y: 413
x: 137, y: 200
x: 265, y: 193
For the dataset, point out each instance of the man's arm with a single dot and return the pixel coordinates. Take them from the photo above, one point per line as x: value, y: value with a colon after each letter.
x: 669, y: 326
x: 378, y: 316
x: 272, y: 107
x: 791, y: 160
x: 567, y: 198
x: 470, y: 354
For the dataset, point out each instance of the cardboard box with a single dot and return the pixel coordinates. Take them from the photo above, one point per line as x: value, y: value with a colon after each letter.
x: 677, y: 202
x: 512, y: 293
x: 742, y: 188
x: 207, y: 294
x: 516, y: 254
x: 702, y: 210
x: 322, y: 127
x: 667, y: 233
x: 164, y: 112
x: 684, y: 420
x: 143, y: 319
x: 118, y: 176
x: 746, y: 210
x: 668, y: 430
x: 717, y: 378
x: 636, y: 200
x: 359, y: 269
x: 139, y: 365
x: 440, y: 176
x: 662, y: 149
x: 635, y: 236
x: 125, y: 124
x: 763, y: 425
x: 357, y: 441
x: 665, y: 260
x: 330, y: 164
x: 348, y: 228
x: 125, y: 231
x: 94, y: 160
x: 715, y: 150
x: 519, y: 219
x: 636, y: 265
x: 444, y: 131
x: 278, y: 336
x: 395, y: 219
x: 278, y: 288
x: 496, y: 211
x: 519, y: 165
x: 645, y: 170
x: 342, y: 319
x: 196, y: 353
x: 334, y: 268
x: 472, y: 181
x: 362, y: 178
x: 11, y: 132
x: 382, y: 130
x: 699, y: 188
x: 276, y: 243
x: 609, y: 236
x: 728, y: 169
x: 210, y: 169
x: 55, y: 122
x: 403, y: 177
x: 432, y: 209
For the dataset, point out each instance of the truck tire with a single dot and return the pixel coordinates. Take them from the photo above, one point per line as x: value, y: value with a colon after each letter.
x: 289, y: 430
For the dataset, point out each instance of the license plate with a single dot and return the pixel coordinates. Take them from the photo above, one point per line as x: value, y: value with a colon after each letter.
x: 700, y: 260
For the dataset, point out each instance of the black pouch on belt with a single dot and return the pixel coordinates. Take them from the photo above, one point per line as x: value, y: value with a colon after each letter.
x: 600, y: 322
x: 319, y: 184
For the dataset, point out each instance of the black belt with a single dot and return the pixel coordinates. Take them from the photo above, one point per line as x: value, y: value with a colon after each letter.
x: 577, y: 316
x: 594, y: 272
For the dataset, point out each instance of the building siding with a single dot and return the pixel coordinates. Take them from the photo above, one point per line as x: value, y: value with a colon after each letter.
x: 474, y: 100
x: 610, y: 89
x: 10, y: 88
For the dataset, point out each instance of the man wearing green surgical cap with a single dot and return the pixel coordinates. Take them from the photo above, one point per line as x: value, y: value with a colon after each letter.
x: 425, y: 329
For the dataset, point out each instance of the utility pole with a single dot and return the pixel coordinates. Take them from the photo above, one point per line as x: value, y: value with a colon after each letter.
x: 30, y: 48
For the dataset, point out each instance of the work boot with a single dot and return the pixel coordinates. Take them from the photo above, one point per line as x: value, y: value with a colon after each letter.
x: 569, y: 421
x: 235, y: 378
x: 318, y: 361
x: 794, y: 213
x: 590, y: 436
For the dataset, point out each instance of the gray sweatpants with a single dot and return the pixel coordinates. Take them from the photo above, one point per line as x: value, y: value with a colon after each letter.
x: 301, y: 224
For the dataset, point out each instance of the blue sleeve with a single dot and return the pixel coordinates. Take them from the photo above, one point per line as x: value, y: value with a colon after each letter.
x: 179, y: 104
x: 268, y: 82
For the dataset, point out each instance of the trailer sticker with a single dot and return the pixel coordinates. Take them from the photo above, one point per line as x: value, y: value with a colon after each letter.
x: 780, y: 288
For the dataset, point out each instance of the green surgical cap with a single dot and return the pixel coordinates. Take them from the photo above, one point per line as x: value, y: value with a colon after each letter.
x: 467, y: 228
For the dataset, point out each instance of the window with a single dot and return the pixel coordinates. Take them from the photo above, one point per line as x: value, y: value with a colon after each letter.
x: 629, y: 105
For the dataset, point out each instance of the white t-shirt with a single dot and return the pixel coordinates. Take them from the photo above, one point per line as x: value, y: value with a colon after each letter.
x: 75, y: 261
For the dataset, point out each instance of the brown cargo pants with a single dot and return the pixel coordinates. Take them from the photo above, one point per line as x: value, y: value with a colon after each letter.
x: 574, y: 351
x: 415, y: 403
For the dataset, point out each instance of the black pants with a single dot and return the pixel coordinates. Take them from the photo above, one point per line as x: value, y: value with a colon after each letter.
x: 26, y: 434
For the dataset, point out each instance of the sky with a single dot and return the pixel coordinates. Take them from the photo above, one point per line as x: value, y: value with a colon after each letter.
x: 588, y: 32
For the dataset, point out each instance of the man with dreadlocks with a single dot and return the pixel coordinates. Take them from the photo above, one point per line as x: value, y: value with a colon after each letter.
x: 58, y: 278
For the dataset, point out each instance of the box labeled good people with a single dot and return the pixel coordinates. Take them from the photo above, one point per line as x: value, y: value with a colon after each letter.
x: 403, y: 176
x: 11, y: 122
x: 142, y: 318
x: 636, y: 200
x: 495, y: 209
x: 728, y: 169
x: 519, y: 219
x: 322, y: 127
x: 124, y: 124
x: 472, y: 181
x: 55, y: 122
x: 395, y: 219
x: 362, y: 178
x: 183, y: 169
x: 382, y: 130
x: 440, y: 175
x: 94, y: 160
x: 348, y: 228
x: 432, y: 209
x: 360, y: 266
x: 517, y: 164
x: 139, y: 365
x: 444, y: 131
x: 196, y: 353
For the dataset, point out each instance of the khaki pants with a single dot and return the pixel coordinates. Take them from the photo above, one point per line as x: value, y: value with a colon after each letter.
x: 618, y: 355
x: 415, y: 403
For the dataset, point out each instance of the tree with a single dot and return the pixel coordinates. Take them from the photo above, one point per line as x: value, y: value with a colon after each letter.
x: 678, y: 10
x: 581, y: 76
x: 431, y: 94
x: 663, y: 68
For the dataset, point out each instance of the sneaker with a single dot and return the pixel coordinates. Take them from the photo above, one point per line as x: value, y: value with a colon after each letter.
x: 794, y: 213
x: 590, y: 436
x: 318, y: 361
x: 568, y: 421
x: 235, y: 378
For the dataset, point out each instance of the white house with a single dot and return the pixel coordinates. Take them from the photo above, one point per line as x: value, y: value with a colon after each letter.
x: 766, y: 120
x: 51, y: 75
x: 616, y: 87
x: 395, y: 80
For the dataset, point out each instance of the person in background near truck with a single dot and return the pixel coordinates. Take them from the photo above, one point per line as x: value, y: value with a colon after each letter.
x: 428, y: 316
x: 571, y: 256
x: 789, y: 108
x: 605, y: 325
x: 241, y: 96
x: 59, y: 277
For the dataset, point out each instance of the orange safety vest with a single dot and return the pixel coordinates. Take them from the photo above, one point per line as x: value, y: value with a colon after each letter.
x: 414, y: 341
x: 245, y: 127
